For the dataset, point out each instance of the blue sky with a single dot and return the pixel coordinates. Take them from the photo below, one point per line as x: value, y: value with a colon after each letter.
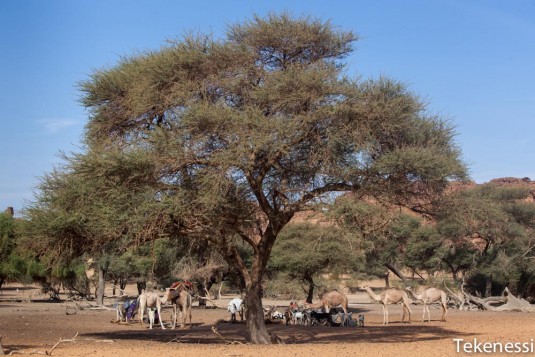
x: 472, y: 61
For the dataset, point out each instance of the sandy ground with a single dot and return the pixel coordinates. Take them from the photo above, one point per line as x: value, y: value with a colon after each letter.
x: 35, y: 327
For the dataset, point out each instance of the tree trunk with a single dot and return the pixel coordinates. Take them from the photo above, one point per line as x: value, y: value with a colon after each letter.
x: 141, y: 285
x: 114, y: 286
x: 122, y: 285
x: 396, y: 271
x: 254, y: 315
x: 387, y: 280
x: 488, y: 285
x: 201, y: 288
x: 310, y: 294
x: 101, y: 285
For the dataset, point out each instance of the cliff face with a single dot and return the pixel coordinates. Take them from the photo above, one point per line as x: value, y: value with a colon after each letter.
x: 524, y: 182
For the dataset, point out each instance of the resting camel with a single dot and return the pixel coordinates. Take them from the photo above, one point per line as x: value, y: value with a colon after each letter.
x: 429, y: 296
x: 391, y: 296
x: 150, y: 300
x: 180, y: 298
x: 330, y: 300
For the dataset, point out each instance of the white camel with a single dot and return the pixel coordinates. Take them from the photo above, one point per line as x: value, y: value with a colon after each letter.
x: 181, y: 299
x: 429, y: 296
x: 150, y: 300
x: 391, y: 296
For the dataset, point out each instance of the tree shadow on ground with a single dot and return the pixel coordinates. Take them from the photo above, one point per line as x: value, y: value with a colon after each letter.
x: 203, y: 334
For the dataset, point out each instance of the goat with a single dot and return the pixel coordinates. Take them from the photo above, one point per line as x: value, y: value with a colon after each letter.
x: 235, y: 306
x: 346, y: 319
x: 319, y: 318
x: 152, y: 313
x: 277, y: 315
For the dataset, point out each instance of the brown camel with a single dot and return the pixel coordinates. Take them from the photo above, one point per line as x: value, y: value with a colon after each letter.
x: 429, y: 296
x: 330, y: 300
x: 391, y: 296
x: 180, y: 298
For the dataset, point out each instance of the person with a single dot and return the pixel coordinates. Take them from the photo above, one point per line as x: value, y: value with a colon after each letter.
x: 234, y: 306
x: 294, y: 306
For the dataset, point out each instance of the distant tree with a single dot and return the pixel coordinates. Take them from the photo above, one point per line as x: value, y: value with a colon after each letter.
x: 126, y: 266
x: 9, y: 262
x: 382, y: 233
x: 304, y: 251
x: 489, y: 231
x: 238, y: 134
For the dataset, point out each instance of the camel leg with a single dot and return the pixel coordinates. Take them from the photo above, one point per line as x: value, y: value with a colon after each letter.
x: 160, y: 317
x: 423, y: 313
x: 182, y: 319
x: 385, y: 315
x: 141, y: 312
x: 174, y: 316
x: 189, y: 310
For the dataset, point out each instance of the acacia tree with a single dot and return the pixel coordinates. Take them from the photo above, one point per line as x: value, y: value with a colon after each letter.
x: 488, y: 231
x: 325, y: 250
x: 79, y: 211
x: 243, y: 132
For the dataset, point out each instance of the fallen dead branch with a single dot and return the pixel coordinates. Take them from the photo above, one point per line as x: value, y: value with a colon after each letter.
x: 178, y: 339
x: 276, y: 339
x: 46, y: 353
x: 214, y: 330
x: 511, y: 302
x: 210, y: 300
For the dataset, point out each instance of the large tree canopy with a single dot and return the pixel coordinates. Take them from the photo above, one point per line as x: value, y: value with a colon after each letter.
x: 237, y: 134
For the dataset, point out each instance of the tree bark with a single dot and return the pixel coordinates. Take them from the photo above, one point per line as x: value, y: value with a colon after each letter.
x: 101, y: 285
x: 254, y: 315
x: 114, y: 287
x: 488, y: 285
x: 310, y: 294
x: 396, y: 271
x: 122, y: 285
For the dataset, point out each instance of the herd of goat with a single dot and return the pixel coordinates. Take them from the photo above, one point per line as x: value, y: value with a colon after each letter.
x: 323, y: 313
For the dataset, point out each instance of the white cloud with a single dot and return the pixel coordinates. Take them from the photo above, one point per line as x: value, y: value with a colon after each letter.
x: 52, y: 126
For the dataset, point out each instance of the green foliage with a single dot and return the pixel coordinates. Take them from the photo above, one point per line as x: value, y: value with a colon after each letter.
x: 490, y: 230
x: 425, y: 250
x: 305, y: 250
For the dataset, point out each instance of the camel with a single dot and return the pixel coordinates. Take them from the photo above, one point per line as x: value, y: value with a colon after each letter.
x: 150, y: 300
x: 180, y: 298
x: 429, y: 296
x: 330, y: 300
x: 391, y: 296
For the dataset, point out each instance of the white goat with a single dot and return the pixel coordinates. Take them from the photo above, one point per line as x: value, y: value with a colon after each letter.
x: 235, y: 306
